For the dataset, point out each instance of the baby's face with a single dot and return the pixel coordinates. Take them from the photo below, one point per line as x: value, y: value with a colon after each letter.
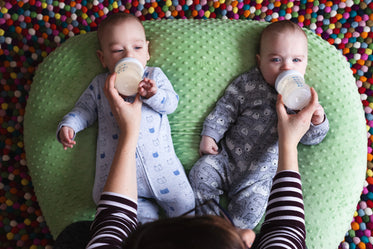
x: 126, y: 39
x: 282, y: 52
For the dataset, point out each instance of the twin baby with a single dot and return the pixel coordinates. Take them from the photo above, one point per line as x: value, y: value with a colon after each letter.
x: 239, y: 145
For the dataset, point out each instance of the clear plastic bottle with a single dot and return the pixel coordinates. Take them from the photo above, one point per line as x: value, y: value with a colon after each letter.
x: 129, y: 74
x: 296, y: 94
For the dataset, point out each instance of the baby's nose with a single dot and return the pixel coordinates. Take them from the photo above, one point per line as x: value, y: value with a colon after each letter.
x: 286, y: 65
x: 129, y: 54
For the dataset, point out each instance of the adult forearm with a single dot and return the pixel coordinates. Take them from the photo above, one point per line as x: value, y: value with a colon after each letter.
x: 288, y: 157
x: 122, y: 176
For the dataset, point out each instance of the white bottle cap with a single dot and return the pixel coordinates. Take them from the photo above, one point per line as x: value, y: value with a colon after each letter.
x: 129, y: 74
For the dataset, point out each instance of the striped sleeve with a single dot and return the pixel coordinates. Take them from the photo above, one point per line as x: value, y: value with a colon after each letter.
x: 284, y: 224
x: 115, y: 219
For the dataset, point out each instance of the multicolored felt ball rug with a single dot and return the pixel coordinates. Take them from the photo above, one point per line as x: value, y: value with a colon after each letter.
x: 30, y: 30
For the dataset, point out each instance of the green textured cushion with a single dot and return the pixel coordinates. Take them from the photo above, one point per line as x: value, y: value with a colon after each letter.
x: 200, y: 58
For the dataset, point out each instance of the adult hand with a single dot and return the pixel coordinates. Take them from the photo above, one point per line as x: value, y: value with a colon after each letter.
x: 128, y: 115
x: 292, y: 127
x: 247, y: 236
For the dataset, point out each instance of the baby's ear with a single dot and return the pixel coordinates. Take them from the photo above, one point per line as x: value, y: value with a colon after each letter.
x: 100, y: 56
x: 147, y: 48
x: 257, y: 59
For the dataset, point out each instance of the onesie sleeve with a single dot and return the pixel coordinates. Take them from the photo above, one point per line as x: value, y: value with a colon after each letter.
x: 316, y: 133
x: 84, y: 112
x: 226, y: 111
x: 166, y: 100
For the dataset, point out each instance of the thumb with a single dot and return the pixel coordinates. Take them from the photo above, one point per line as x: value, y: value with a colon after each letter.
x: 71, y: 133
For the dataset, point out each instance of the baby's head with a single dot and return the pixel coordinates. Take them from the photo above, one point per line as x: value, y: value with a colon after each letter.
x: 283, y: 46
x: 121, y: 35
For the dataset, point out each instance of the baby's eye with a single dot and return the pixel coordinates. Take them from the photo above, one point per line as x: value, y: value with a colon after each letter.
x: 275, y: 60
x: 297, y: 60
x: 138, y: 47
x: 117, y: 50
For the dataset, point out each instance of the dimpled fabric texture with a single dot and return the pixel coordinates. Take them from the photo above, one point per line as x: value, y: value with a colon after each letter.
x: 200, y: 57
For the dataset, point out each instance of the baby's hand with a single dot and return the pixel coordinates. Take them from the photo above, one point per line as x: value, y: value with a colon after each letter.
x: 147, y: 88
x: 208, y: 146
x: 318, y: 116
x: 66, y: 136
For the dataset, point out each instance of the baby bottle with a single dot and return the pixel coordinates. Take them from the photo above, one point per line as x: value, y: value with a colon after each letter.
x: 129, y: 74
x: 296, y: 94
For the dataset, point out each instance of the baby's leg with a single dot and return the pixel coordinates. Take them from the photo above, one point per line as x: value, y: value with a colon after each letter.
x: 208, y: 180
x: 247, y: 205
x: 147, y: 210
x: 176, y: 195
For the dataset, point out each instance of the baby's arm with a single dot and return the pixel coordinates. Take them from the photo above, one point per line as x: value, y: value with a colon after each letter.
x: 226, y: 111
x: 82, y: 115
x: 163, y: 98
x: 66, y: 137
x: 208, y: 146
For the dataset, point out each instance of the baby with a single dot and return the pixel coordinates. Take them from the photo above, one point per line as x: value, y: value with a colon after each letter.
x: 239, y: 145
x: 160, y: 175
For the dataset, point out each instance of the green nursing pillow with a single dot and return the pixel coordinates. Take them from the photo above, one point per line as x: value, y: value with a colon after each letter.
x: 200, y: 58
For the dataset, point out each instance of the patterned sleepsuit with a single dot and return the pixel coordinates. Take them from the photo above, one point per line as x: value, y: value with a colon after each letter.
x: 160, y: 175
x: 244, y: 124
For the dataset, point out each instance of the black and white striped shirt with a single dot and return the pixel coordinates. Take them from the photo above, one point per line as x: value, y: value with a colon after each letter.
x: 284, y: 225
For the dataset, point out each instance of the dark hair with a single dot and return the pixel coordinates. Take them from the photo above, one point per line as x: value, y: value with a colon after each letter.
x: 279, y: 27
x: 199, y: 232
x: 113, y: 20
